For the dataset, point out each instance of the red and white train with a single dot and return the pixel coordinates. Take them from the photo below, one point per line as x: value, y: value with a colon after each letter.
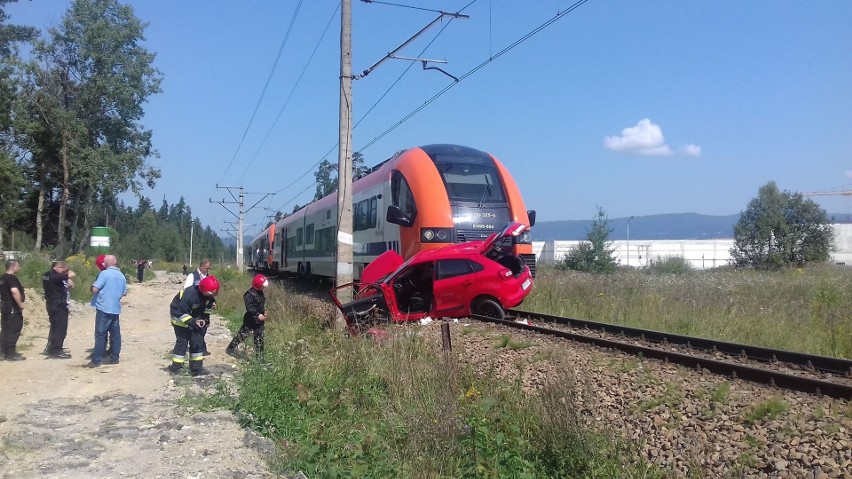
x: 421, y: 198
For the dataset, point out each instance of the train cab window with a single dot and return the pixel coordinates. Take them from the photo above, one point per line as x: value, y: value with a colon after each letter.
x: 401, y: 195
x: 449, y: 268
x: 473, y: 183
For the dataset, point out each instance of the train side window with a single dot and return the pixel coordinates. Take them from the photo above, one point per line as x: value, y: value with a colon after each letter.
x: 401, y: 195
x: 361, y: 216
x: 309, y: 234
x: 327, y: 214
x: 299, y: 236
x: 374, y: 204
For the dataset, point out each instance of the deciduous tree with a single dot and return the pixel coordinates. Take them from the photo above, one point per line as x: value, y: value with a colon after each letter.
x: 87, y: 84
x: 780, y: 228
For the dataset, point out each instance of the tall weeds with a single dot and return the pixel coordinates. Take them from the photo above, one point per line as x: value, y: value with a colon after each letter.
x: 339, y: 406
x: 803, y: 310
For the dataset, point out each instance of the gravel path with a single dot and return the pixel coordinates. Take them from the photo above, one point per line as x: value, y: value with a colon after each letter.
x: 60, y: 420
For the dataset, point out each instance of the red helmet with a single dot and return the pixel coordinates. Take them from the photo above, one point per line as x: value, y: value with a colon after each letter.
x: 259, y: 282
x: 209, y: 286
x: 100, y: 262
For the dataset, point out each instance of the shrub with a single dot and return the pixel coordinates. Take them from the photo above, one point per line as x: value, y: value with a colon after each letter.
x: 669, y: 265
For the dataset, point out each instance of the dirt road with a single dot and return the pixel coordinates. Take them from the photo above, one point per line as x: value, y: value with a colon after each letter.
x: 59, y: 419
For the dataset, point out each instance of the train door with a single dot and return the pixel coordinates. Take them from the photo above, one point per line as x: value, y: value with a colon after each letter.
x: 403, y: 212
x: 283, y: 260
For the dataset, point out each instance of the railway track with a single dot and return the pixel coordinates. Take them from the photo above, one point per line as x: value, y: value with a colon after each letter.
x: 784, y: 369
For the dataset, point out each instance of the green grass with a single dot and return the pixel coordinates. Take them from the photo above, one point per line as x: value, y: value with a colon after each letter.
x: 800, y: 310
x: 507, y: 342
x: 338, y: 406
x: 770, y: 408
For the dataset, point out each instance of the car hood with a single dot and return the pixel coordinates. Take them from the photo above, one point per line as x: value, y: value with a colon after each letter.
x: 382, y: 266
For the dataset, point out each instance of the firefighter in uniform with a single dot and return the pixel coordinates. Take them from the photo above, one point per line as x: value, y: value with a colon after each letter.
x: 193, y: 279
x: 255, y: 317
x: 189, y: 318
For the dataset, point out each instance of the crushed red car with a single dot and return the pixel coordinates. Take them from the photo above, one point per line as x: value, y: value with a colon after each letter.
x: 476, y: 277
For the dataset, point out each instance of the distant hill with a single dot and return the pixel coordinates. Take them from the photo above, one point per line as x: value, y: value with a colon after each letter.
x: 668, y: 226
x: 674, y: 226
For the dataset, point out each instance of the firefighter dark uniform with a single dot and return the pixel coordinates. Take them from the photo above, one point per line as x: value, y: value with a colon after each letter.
x: 188, y: 311
x: 254, y: 318
x: 193, y: 279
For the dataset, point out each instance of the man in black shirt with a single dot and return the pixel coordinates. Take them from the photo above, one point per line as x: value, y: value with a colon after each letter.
x: 12, y: 299
x: 140, y: 269
x: 57, y: 281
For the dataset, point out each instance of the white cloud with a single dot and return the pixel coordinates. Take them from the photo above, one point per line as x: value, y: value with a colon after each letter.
x: 849, y: 173
x: 691, y: 150
x: 646, y: 138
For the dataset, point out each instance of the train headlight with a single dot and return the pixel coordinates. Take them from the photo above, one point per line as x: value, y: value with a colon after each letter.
x: 524, y: 238
x: 436, y: 235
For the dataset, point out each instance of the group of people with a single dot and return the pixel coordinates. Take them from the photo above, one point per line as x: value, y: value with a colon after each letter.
x: 109, y: 287
x: 189, y: 312
x: 190, y: 317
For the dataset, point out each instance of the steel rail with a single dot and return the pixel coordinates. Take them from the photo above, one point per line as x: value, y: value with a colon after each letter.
x: 750, y: 373
x: 827, y: 364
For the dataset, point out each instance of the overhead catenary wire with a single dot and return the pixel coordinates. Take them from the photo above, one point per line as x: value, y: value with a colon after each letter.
x: 440, y: 93
x: 290, y: 95
x: 370, y: 110
x: 265, y: 87
x: 401, y: 5
x: 558, y: 16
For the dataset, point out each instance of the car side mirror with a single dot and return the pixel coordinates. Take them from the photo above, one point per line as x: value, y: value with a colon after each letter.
x: 397, y: 217
x: 531, y: 215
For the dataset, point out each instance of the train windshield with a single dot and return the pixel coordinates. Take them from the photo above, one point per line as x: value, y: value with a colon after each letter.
x: 472, y: 183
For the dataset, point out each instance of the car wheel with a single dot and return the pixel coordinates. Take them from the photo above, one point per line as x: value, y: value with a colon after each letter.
x: 488, y: 307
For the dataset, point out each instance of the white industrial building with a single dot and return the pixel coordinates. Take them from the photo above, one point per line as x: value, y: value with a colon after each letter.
x: 701, y: 254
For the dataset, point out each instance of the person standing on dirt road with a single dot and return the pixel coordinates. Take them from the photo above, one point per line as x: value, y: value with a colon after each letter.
x: 12, y: 299
x: 140, y: 269
x: 188, y: 310
x: 109, y: 287
x: 99, y: 262
x: 192, y: 280
x: 254, y: 319
x: 57, y: 282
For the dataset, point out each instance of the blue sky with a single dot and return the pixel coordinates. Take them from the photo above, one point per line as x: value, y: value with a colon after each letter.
x: 638, y: 107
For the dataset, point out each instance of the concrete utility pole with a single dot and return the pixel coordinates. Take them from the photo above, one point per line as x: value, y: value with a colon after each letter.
x: 628, y: 240
x: 191, y: 235
x: 344, y: 158
x: 240, y: 216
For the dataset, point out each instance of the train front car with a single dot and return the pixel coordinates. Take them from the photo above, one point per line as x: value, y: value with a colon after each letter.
x: 443, y: 194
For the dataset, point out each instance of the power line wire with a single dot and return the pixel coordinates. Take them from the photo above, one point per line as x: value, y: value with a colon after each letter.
x: 517, y: 42
x: 287, y: 101
x: 311, y: 168
x: 265, y: 86
x: 559, y: 15
x: 401, y: 5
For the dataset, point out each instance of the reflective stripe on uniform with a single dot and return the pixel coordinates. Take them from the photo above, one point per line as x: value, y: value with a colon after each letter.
x: 178, y: 358
x: 182, y: 321
x: 196, y: 357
